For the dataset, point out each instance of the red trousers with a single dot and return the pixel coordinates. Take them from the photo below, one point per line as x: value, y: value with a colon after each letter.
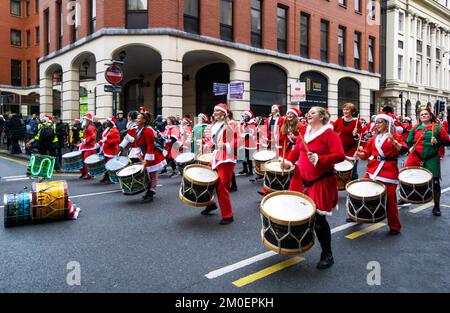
x: 86, y: 154
x: 392, y: 209
x: 225, y: 172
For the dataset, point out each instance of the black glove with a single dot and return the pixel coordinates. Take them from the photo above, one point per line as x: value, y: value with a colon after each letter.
x: 173, y: 139
x: 180, y: 149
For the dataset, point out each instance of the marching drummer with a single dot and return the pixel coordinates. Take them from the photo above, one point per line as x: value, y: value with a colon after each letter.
x: 110, y: 143
x: 223, y: 141
x: 171, y: 135
x: 199, y: 133
x: 425, y: 140
x: 88, y: 142
x: 247, y: 130
x: 318, y: 153
x: 273, y: 126
x: 349, y: 130
x: 382, y: 151
x: 133, y: 154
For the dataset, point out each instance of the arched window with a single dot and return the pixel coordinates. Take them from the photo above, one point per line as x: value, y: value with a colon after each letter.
x: 316, y: 90
x: 348, y: 91
x: 205, y: 78
x: 268, y: 86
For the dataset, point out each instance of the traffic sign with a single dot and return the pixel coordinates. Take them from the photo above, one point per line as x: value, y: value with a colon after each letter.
x: 114, y: 74
x: 110, y: 88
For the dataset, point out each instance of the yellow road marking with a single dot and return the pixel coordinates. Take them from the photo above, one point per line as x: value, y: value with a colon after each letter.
x: 422, y: 207
x: 365, y: 230
x: 267, y: 271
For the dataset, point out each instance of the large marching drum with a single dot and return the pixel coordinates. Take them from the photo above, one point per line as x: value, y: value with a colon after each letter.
x: 184, y: 160
x: 205, y: 159
x: 198, y: 184
x: 261, y: 157
x: 114, y: 166
x: 366, y: 201
x: 345, y: 172
x: 73, y: 160
x: 287, y: 219
x: 416, y: 184
x: 96, y: 164
x: 133, y: 179
x: 275, y: 179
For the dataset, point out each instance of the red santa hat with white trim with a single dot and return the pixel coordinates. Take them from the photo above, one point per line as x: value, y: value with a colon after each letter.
x: 113, y: 120
x: 222, y: 107
x: 88, y: 116
x: 248, y: 113
x: 294, y: 111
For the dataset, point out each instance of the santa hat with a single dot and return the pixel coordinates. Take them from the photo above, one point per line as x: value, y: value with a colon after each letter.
x: 113, y: 120
x: 221, y: 107
x: 143, y: 109
x: 186, y: 120
x: 294, y: 111
x: 89, y: 117
x: 408, y: 118
x: 203, y: 116
x: 385, y: 117
x: 399, y: 129
x: 277, y: 106
x: 249, y: 113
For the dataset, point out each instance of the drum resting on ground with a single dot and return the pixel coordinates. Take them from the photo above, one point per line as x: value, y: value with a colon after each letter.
x: 287, y: 219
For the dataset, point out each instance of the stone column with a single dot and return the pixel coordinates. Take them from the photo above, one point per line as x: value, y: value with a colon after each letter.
x: 70, y: 94
x: 333, y: 99
x: 433, y: 75
x: 46, y: 94
x: 172, y: 88
x: 104, y: 100
x: 424, y: 52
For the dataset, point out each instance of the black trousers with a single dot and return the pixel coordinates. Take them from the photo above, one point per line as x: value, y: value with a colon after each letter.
x: 323, y: 232
x: 50, y: 150
x: 16, y: 147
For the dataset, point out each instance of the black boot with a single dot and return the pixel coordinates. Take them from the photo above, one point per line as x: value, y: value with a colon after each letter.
x: 244, y: 170
x: 250, y: 168
x: 437, y: 200
x: 148, y: 195
x: 233, y: 187
x: 326, y: 260
x: 209, y: 209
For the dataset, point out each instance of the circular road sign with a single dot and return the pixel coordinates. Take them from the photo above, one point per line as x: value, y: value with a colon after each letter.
x: 114, y: 75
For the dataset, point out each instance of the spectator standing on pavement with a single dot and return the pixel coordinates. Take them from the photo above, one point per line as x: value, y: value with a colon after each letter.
x: 60, y: 131
x: 17, y: 131
x: 160, y: 124
x: 2, y: 127
x: 47, y: 139
x: 77, y: 133
x: 121, y: 125
x: 99, y: 126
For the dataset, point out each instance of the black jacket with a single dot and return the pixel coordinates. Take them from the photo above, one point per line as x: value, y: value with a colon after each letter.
x: 17, y: 128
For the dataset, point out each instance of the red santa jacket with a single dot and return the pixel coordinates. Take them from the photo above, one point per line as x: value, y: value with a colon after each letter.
x: 345, y: 132
x: 172, y: 135
x: 154, y: 159
x: 290, y: 141
x: 110, y: 142
x: 223, y: 143
x: 89, y: 138
x: 248, y: 134
x: 273, y: 126
x: 329, y: 150
x: 382, y: 156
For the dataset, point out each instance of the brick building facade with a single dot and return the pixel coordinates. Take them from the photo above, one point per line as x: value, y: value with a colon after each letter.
x: 174, y: 50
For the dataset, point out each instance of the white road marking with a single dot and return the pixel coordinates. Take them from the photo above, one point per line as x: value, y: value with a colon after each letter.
x: 95, y: 194
x: 14, y: 179
x: 8, y: 177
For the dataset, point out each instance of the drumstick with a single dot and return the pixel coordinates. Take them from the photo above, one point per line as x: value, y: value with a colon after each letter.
x: 413, y: 148
x: 356, y: 125
x: 304, y: 143
x: 284, y: 157
x: 359, y: 143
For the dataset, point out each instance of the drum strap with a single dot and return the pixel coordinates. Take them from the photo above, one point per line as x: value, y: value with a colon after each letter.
x: 308, y: 183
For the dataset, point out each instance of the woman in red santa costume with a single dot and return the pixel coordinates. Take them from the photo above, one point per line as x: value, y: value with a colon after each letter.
x: 185, y: 135
x: 88, y: 142
x: 382, y: 151
x: 316, y: 177
x: 110, y: 143
x: 247, y: 131
x: 171, y: 135
x: 223, y: 141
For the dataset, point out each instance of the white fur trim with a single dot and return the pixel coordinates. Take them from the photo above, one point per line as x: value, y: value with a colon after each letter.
x: 308, y: 137
x: 149, y: 157
x: 129, y: 138
x: 383, y: 179
x: 220, y: 109
x: 156, y: 167
x: 292, y: 111
x: 324, y: 213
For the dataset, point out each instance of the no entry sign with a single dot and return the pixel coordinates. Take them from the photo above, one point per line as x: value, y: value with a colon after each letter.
x: 114, y: 75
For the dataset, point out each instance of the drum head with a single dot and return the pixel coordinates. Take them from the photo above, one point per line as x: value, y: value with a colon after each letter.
x: 205, y: 157
x: 95, y: 158
x: 415, y: 176
x: 116, y: 163
x: 130, y: 170
x: 344, y: 166
x: 365, y: 188
x: 200, y: 174
x: 285, y: 207
x: 185, y: 157
x: 266, y: 155
x: 72, y: 154
x: 275, y: 166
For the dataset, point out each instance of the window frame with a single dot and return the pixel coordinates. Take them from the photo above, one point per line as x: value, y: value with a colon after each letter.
x: 191, y: 23
x: 16, y: 32
x: 324, y: 53
x: 282, y: 43
x: 19, y: 2
x: 256, y: 37
x: 304, y: 49
x: 226, y: 30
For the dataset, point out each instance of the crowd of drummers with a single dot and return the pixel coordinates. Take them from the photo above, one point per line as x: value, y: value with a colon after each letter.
x: 307, y: 148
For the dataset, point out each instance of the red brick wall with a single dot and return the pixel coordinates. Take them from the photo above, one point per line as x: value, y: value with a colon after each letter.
x: 169, y: 13
x: 8, y: 52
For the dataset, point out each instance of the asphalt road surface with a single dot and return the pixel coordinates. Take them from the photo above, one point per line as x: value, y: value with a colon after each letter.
x: 123, y: 245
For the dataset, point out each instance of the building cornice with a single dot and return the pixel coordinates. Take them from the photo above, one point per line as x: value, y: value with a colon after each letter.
x: 106, y: 32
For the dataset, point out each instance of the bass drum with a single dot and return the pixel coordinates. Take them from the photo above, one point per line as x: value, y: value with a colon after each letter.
x: 114, y: 166
x: 366, y: 201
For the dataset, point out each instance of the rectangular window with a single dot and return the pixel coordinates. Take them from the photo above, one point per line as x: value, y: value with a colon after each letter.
x: 46, y: 32
x: 28, y: 73
x: 38, y: 78
x: 76, y: 25
x: 28, y: 38
x: 191, y: 16
x: 324, y: 41
x: 137, y: 14
x: 15, y: 8
x: 304, y: 35
x: 371, y: 9
x: 16, y: 38
x: 400, y: 44
x: 418, y: 72
x: 400, y: 68
x: 256, y: 23
x: 401, y: 22
x: 358, y: 6
x: 281, y: 27
x: 438, y: 53
x: 27, y: 7
x: 16, y: 72
x: 341, y: 45
x: 371, y: 57
x: 37, y: 35
x: 357, y: 49
x: 226, y: 20
x: 419, y: 46
x: 36, y: 6
x: 342, y: 3
x: 419, y: 29
x: 59, y: 23
x: 428, y: 51
x: 93, y: 11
